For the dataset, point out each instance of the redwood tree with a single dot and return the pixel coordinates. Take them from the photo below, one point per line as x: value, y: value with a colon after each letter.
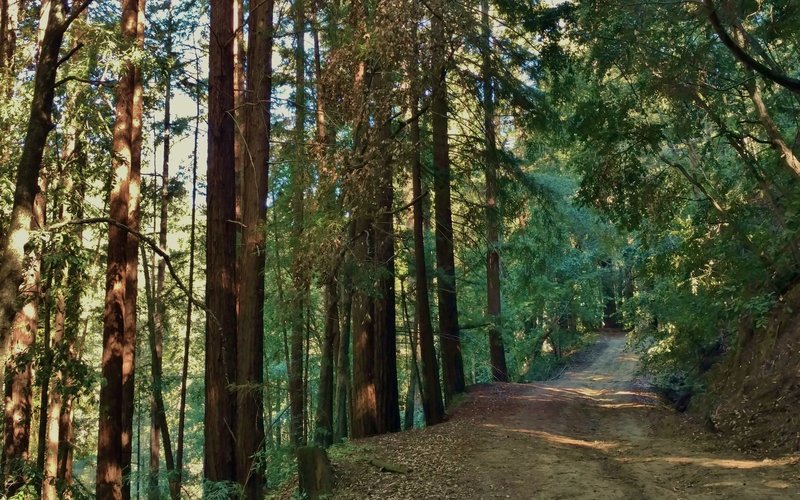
x: 221, y: 321
x: 452, y: 362
x: 115, y: 429
x: 430, y: 388
x: 250, y: 336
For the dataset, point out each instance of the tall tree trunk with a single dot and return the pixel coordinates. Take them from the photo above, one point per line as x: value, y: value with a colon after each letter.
x: 158, y: 417
x: 386, y: 390
x: 60, y: 438
x: 452, y: 362
x: 299, y: 271
x: 431, y: 390
x: 220, y: 360
x: 132, y: 260
x: 250, y: 336
x: 493, y: 217
x: 66, y: 299
x: 119, y: 317
x: 363, y: 420
x: 413, y: 365
x: 66, y: 447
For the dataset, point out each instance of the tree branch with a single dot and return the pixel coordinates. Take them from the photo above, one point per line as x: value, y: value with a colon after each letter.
x: 144, y: 239
x: 740, y: 54
x: 68, y: 55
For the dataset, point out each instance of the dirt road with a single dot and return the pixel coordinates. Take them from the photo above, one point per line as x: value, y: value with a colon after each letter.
x: 596, y: 432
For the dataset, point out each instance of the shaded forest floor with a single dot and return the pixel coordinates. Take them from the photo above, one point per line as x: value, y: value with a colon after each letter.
x: 596, y: 432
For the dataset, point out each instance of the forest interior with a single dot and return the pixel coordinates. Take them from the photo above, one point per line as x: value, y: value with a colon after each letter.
x: 400, y: 249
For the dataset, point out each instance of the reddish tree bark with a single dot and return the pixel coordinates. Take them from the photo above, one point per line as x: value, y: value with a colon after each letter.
x: 18, y: 369
x: 12, y: 264
x: 432, y: 404
x: 452, y: 362
x: 119, y: 317
x: 221, y: 322
x: 250, y: 336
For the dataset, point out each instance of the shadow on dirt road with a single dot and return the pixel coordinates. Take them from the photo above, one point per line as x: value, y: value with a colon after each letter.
x: 599, y: 432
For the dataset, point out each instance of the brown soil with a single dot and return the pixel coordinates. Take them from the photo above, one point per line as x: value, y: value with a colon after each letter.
x: 597, y: 432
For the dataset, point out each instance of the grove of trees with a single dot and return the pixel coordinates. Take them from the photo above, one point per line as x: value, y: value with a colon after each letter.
x: 231, y: 229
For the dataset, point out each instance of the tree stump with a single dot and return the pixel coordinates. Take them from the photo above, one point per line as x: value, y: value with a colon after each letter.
x: 315, y: 472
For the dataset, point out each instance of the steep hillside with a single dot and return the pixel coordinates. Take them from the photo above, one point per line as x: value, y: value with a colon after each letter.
x: 754, y: 394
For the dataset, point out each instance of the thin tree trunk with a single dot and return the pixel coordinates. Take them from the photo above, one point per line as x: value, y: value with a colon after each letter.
x: 431, y: 390
x: 45, y: 372
x: 221, y: 282
x: 413, y: 372
x: 156, y: 304
x: 343, y: 353
x: 323, y: 434
x: 452, y: 362
x: 175, y: 488
x: 299, y: 273
x: 493, y: 217
x: 158, y: 418
x: 60, y: 442
x: 250, y: 336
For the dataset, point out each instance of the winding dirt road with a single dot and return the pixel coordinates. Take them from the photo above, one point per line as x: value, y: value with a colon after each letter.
x: 596, y: 433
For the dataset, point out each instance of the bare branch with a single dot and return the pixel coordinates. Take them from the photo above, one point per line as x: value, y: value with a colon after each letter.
x: 144, y: 239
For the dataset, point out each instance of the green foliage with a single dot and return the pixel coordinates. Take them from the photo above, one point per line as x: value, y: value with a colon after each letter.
x: 662, y: 124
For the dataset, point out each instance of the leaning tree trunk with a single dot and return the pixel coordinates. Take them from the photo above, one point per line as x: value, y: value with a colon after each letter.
x: 452, y: 362
x: 12, y: 266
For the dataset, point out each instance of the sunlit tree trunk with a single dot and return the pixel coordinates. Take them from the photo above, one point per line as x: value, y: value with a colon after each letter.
x: 66, y: 300
x: 12, y: 266
x: 119, y: 318
x: 18, y: 369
